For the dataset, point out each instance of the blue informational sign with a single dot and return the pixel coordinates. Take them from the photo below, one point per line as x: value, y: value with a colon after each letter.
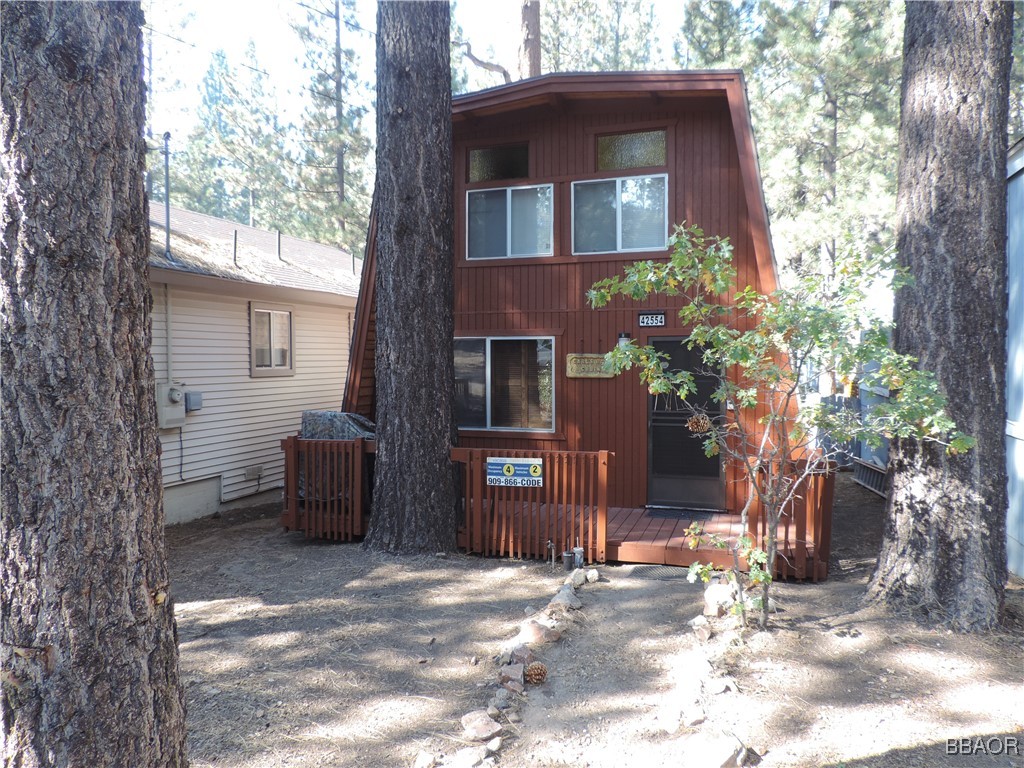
x: 517, y: 473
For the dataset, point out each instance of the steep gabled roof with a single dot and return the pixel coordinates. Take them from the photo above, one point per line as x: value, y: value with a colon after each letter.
x: 204, y: 245
x: 565, y: 89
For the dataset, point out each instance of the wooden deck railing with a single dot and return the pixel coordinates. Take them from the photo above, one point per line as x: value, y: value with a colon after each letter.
x: 570, y: 508
x: 325, y: 487
x: 327, y: 494
x: 805, y: 531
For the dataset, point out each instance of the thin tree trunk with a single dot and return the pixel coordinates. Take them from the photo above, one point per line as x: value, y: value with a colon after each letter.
x: 414, y: 495
x: 339, y: 106
x: 944, y: 552
x: 529, y: 51
x: 88, y: 639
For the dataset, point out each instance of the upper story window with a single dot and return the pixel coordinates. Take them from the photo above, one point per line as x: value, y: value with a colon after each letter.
x: 498, y: 163
x: 509, y: 222
x: 641, y: 149
x: 271, y: 340
x: 505, y: 383
x: 615, y: 215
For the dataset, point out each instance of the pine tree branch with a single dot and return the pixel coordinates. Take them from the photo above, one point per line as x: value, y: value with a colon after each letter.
x: 489, y: 66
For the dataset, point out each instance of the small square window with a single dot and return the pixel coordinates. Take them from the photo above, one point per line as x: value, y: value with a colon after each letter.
x: 271, y: 340
x: 642, y: 149
x: 496, y: 163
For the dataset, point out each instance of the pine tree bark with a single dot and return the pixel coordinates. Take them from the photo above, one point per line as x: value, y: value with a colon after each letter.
x: 414, y: 494
x: 943, y: 553
x: 88, y: 652
x: 529, y: 50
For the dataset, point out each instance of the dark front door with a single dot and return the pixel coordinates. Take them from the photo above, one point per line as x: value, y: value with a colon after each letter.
x: 679, y: 474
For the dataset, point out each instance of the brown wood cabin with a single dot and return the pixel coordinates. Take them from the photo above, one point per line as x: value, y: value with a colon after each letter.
x: 560, y: 181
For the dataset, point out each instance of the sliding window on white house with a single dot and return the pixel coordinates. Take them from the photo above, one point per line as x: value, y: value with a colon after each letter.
x: 617, y: 215
x: 505, y: 383
x: 509, y: 222
x: 271, y: 340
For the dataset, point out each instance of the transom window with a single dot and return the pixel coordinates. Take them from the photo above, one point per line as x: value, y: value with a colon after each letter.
x: 503, y: 383
x: 270, y: 341
x: 641, y: 149
x: 625, y: 214
x: 509, y: 222
x: 496, y: 163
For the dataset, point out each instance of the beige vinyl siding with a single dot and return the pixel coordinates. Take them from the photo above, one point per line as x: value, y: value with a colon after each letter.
x: 243, y: 419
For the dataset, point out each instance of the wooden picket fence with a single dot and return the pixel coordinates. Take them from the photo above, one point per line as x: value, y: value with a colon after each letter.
x: 570, y: 509
x: 325, y: 487
x: 805, y: 531
x: 327, y: 495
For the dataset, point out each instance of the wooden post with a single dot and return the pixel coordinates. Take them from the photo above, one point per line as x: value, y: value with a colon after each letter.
x: 291, y: 478
x: 357, y: 485
x: 602, y: 503
x: 477, y: 471
x: 825, y: 498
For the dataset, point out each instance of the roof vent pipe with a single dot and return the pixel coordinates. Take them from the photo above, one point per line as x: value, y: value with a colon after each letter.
x: 234, y: 246
x: 279, y: 245
x: 167, y: 195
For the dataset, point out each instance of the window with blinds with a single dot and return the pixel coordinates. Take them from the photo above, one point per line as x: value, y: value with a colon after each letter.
x: 271, y: 340
x: 505, y: 383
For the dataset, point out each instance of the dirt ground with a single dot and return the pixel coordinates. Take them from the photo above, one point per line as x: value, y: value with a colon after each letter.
x: 301, y: 653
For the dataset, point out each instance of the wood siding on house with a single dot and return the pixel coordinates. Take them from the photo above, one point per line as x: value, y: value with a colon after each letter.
x: 544, y: 296
x: 243, y: 419
x: 713, y: 182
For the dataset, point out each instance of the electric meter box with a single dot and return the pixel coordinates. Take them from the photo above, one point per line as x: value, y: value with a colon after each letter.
x: 170, y: 405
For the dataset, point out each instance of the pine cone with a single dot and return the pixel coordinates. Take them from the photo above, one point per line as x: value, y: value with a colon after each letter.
x: 698, y: 423
x: 536, y: 673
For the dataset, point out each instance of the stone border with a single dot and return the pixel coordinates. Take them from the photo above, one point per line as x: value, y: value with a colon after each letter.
x: 542, y: 627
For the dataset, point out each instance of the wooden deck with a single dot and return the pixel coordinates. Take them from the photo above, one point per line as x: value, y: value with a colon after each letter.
x: 659, y: 537
x: 327, y: 495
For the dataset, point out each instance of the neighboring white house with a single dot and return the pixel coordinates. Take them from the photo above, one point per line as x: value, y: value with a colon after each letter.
x: 250, y: 329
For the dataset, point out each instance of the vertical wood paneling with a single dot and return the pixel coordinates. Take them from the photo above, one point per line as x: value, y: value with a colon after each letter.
x: 611, y: 414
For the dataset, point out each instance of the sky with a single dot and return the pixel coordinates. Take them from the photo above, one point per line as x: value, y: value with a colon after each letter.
x: 492, y: 26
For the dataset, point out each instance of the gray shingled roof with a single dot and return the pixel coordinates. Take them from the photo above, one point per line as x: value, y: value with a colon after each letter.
x: 203, y: 245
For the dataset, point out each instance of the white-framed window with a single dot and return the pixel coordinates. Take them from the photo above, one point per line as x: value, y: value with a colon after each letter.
x: 619, y: 215
x: 505, y: 383
x: 271, y: 340
x: 509, y: 222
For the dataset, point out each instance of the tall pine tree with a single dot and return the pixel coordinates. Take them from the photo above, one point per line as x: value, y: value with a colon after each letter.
x: 822, y: 79
x: 334, y: 163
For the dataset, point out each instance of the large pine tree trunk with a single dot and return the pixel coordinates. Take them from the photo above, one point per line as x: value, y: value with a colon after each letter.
x: 88, y: 640
x: 945, y: 536
x: 414, y: 496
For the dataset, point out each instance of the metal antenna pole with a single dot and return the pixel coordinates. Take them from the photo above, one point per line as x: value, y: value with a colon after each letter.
x: 167, y: 194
